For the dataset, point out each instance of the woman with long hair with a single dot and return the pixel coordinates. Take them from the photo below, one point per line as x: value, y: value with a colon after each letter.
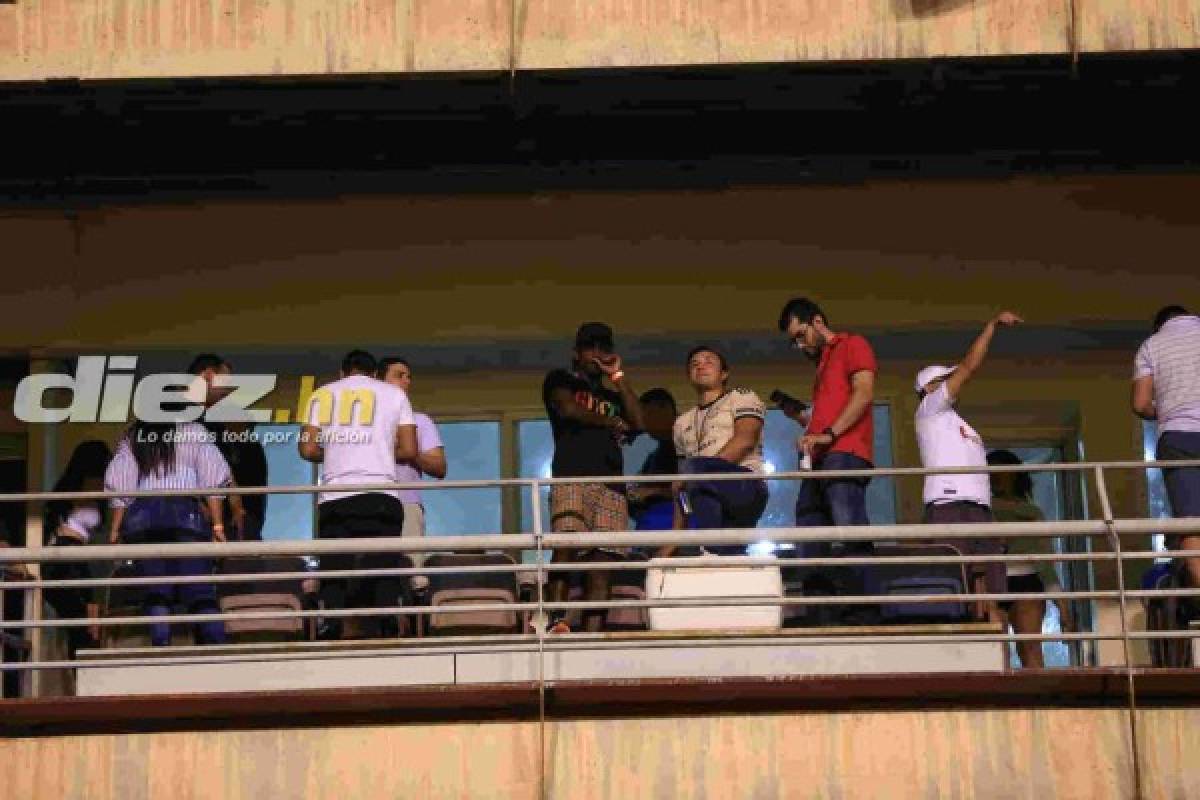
x: 74, y: 523
x: 1012, y: 501
x: 182, y: 456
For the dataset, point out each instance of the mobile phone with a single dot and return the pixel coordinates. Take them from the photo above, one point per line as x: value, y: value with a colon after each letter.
x: 787, y: 403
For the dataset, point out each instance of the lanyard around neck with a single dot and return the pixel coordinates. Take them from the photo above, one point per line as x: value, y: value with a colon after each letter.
x: 700, y: 425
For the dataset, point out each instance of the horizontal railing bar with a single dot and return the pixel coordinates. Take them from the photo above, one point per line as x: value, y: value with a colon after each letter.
x: 833, y: 600
x: 1172, y: 634
x: 476, y: 543
x: 723, y: 562
x: 1152, y: 593
x: 263, y: 577
x: 904, y: 532
x: 183, y: 619
x: 396, y: 544
x: 1167, y: 555
x: 1178, y: 525
x: 19, y: 497
x: 279, y: 547
x: 726, y: 562
x: 679, y: 602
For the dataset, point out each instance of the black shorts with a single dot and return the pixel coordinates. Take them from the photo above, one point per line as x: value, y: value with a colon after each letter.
x: 1023, y: 584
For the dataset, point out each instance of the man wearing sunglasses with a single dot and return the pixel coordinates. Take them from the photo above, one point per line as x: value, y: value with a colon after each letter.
x: 839, y: 436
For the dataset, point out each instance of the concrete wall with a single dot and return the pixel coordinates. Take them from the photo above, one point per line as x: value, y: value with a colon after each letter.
x: 104, y: 39
x: 1060, y: 753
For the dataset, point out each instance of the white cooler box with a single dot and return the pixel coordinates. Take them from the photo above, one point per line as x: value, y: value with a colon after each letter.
x: 679, y: 578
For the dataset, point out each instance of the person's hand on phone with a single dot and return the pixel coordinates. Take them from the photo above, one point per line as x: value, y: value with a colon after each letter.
x: 796, y: 413
x: 610, y: 364
x: 792, y: 408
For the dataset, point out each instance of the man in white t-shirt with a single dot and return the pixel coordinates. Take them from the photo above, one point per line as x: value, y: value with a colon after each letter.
x: 723, y: 433
x: 358, y: 428
x: 430, y: 460
x: 946, y: 440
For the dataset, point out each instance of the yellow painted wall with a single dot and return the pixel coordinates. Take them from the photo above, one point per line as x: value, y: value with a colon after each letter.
x: 482, y: 270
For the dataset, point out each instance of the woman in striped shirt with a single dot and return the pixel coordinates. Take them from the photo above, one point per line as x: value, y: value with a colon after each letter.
x: 183, y: 456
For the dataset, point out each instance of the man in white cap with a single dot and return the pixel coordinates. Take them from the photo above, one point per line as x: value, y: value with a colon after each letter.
x: 946, y: 440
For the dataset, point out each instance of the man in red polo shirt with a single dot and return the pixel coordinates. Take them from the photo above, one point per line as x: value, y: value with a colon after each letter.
x: 839, y: 433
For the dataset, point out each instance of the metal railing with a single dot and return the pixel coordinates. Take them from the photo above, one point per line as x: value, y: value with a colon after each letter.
x: 539, y: 541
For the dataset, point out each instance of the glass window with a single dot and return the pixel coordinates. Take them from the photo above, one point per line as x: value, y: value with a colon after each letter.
x: 1156, y: 489
x: 289, y: 516
x: 535, y: 451
x: 472, y: 453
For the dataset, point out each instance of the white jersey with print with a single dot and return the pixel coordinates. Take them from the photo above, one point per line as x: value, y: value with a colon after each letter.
x: 705, y: 430
x: 358, y: 417
x: 946, y: 440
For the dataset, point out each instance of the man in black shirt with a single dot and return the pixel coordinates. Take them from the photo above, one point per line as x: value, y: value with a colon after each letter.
x: 244, y: 514
x: 589, y: 422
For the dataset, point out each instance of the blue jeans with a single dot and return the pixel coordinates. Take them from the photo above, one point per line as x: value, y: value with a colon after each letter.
x: 840, y: 502
x: 657, y: 516
x: 196, y: 598
x: 723, y: 504
x: 1183, y: 485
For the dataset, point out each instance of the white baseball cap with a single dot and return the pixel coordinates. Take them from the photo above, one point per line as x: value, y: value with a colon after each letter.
x: 932, y: 374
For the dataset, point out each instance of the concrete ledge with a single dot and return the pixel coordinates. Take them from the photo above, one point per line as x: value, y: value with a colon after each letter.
x: 515, y: 659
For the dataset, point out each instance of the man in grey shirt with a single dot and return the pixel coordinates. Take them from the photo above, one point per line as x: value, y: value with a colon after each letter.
x: 1166, y: 388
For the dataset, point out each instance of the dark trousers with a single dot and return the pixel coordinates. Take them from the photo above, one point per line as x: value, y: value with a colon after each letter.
x: 196, y: 598
x: 723, y: 504
x: 993, y: 574
x: 362, y: 516
x: 1183, y: 485
x: 14, y: 609
x: 840, y: 502
x: 70, y: 603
